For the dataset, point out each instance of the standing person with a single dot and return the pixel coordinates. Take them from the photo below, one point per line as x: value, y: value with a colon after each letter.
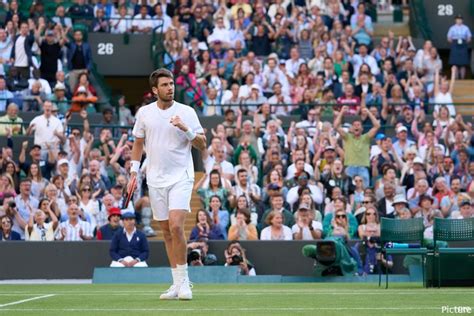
x: 459, y: 36
x: 21, y: 55
x: 168, y: 129
x: 79, y: 58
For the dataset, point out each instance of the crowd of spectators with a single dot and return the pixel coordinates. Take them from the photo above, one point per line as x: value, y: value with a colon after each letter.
x: 335, y: 171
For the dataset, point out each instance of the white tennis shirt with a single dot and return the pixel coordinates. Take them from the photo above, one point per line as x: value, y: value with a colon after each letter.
x: 167, y: 148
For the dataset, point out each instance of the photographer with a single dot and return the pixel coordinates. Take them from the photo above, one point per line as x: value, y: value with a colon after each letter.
x: 235, y: 256
x: 369, y: 256
x: 198, y: 254
x: 16, y: 221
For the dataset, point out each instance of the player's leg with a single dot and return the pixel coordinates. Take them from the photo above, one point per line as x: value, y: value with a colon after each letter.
x: 176, y: 223
x: 179, y: 198
x: 159, y: 206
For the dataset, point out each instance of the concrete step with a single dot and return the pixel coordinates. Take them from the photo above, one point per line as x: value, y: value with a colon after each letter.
x: 464, y: 93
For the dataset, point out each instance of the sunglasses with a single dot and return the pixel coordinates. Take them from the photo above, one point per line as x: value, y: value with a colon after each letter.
x: 366, y: 202
x: 86, y: 190
x: 369, y: 214
x: 340, y: 216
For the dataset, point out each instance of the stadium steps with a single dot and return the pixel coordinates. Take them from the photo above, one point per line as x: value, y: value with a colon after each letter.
x: 464, y: 93
x: 190, y: 219
x: 385, y: 24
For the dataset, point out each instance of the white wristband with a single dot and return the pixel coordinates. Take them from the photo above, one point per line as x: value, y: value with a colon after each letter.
x: 134, y: 166
x: 190, y: 135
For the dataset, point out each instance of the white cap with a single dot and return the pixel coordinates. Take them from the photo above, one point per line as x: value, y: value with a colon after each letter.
x: 63, y: 161
x: 82, y: 89
x: 418, y: 160
x: 401, y: 129
x: 255, y: 86
x: 59, y: 86
x: 399, y: 198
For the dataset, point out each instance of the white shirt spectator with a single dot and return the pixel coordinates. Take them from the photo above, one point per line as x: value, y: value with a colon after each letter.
x: 92, y: 209
x: 45, y: 128
x: 290, y: 172
x: 45, y: 233
x: 21, y: 59
x: 142, y: 23
x: 292, y: 66
x: 306, y: 232
x: 316, y: 194
x: 73, y: 232
x: 357, y: 60
x: 45, y: 87
x: 173, y: 160
x: 226, y: 167
x: 267, y: 233
x: 119, y: 25
x: 280, y: 109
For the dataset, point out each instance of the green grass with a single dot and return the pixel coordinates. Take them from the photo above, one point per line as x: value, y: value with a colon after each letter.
x: 234, y: 299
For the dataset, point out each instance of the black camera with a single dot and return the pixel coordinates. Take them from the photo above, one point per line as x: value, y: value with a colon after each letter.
x: 236, y: 260
x: 194, y: 255
x: 12, y: 204
x: 375, y: 242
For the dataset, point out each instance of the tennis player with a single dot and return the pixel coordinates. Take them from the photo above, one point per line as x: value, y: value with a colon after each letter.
x: 166, y: 130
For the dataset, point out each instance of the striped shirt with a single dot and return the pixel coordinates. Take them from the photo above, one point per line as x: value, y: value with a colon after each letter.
x: 73, y: 232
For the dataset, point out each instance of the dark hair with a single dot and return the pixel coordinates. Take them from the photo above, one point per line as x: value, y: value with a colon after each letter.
x: 246, y: 213
x: 212, y: 197
x: 208, y: 217
x: 25, y: 180
x: 218, y: 173
x: 157, y: 74
x: 454, y: 177
x: 241, y: 171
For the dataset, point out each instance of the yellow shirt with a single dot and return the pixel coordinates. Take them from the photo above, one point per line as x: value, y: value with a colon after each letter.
x: 357, y: 150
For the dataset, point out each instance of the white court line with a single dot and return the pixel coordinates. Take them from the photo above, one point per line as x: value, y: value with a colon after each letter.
x: 249, y: 309
x: 26, y: 300
x: 381, y: 292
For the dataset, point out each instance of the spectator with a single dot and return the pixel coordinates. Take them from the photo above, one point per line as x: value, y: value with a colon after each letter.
x: 130, y: 248
x: 80, y: 11
x: 243, y: 229
x: 304, y: 185
x: 275, y: 229
x: 21, y: 56
x: 79, y: 57
x: 249, y: 190
x: 205, y: 229
x: 61, y: 18
x: 459, y: 36
x: 38, y: 229
x: 11, y: 123
x: 142, y: 22
x: 6, y: 232
x: 82, y: 101
x: 25, y: 205
x: 5, y: 94
x: 59, y: 98
x: 357, y: 145
x: 161, y: 20
x: 74, y: 229
x: 306, y: 228
x: 50, y: 54
x: 48, y: 129
x: 218, y: 161
x: 101, y: 22
x: 340, y: 222
x: 113, y: 227
x: 38, y: 183
x: 198, y: 27
x: 370, y: 224
x: 33, y: 98
x: 219, y: 216
x: 108, y: 8
x: 215, y: 186
x: 122, y: 22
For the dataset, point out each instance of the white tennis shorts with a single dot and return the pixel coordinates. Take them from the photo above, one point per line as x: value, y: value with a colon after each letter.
x: 173, y: 197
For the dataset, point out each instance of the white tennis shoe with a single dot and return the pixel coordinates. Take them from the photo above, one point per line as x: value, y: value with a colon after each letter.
x: 171, y: 293
x: 184, y: 292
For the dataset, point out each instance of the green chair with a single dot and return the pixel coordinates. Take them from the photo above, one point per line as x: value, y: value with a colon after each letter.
x: 402, y: 231
x: 452, y: 230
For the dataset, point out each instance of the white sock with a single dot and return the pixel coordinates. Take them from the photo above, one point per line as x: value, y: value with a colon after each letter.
x: 182, y: 271
x: 174, y: 273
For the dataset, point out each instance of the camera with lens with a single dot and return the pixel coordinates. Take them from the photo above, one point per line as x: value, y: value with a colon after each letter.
x: 236, y: 260
x: 194, y: 255
x: 11, y: 204
x: 375, y: 241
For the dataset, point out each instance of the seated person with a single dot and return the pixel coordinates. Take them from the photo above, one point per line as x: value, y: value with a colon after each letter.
x: 275, y: 229
x: 370, y: 219
x: 6, y: 233
x: 130, y: 248
x: 205, y: 229
x: 235, y: 256
x: 38, y: 229
x: 368, y: 255
x: 113, y: 227
x: 74, y: 229
x: 243, y: 229
x: 340, y: 218
x: 306, y: 228
x: 198, y: 254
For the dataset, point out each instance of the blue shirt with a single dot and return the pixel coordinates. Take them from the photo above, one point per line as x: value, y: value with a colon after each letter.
x: 459, y: 32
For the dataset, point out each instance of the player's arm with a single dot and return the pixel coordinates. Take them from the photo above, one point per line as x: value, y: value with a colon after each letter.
x: 199, y: 142
x: 137, y: 151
